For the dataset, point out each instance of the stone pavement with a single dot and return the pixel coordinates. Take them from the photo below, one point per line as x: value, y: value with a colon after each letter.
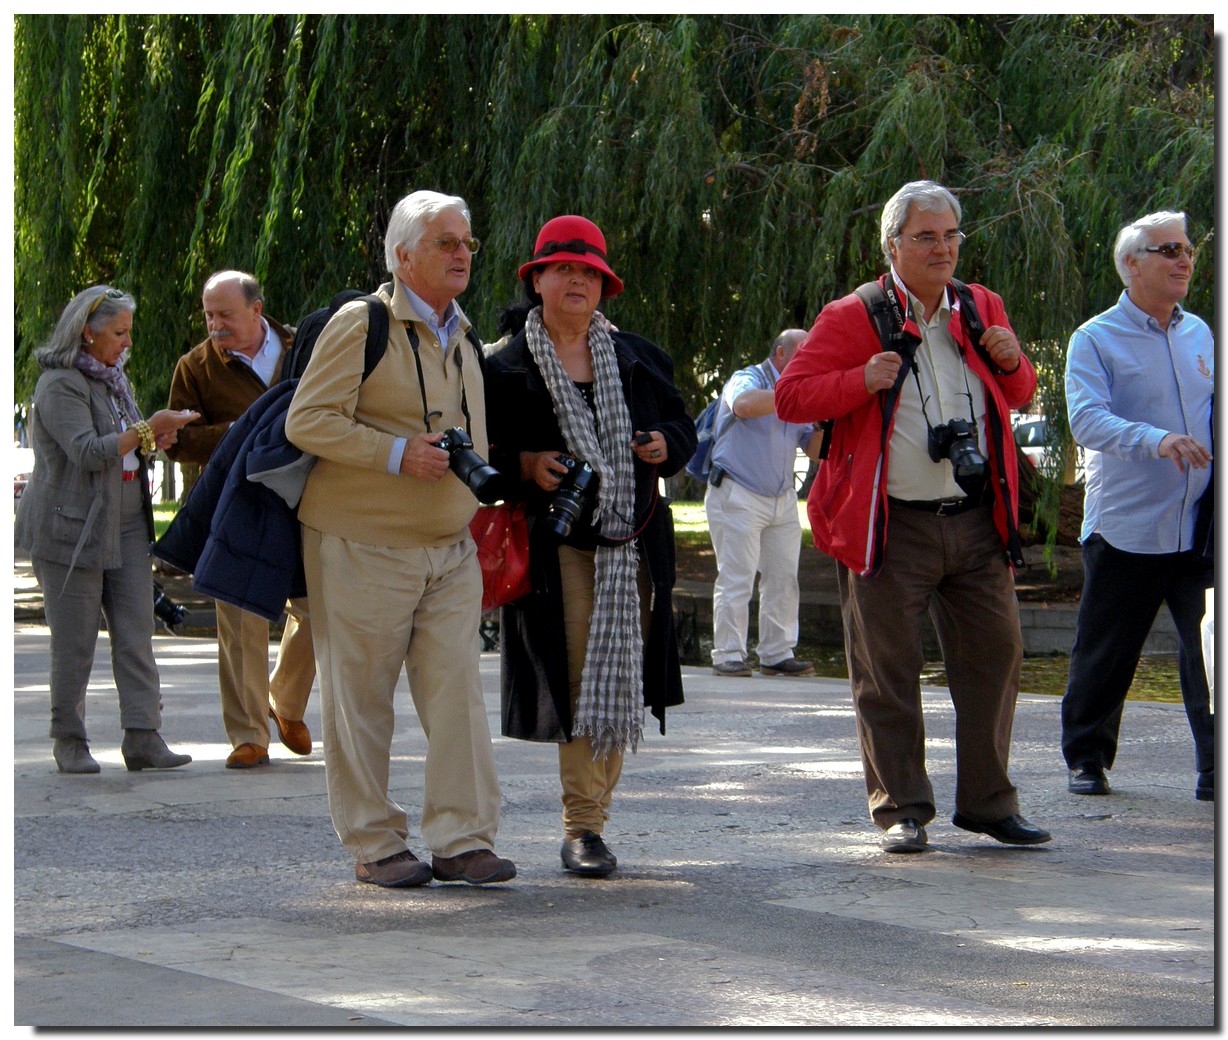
x: 750, y: 891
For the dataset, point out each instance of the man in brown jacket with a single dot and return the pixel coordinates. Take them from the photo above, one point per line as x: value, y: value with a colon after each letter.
x: 221, y: 378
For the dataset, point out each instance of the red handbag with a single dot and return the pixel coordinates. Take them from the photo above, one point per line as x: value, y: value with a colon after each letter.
x: 502, y: 536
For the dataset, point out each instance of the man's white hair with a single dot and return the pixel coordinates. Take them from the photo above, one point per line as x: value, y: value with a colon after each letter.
x: 929, y: 196
x: 1133, y: 238
x: 410, y: 217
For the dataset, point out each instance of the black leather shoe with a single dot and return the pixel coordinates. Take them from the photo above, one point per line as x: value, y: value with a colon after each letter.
x: 588, y: 855
x: 1010, y: 830
x: 1205, y: 791
x: 906, y: 836
x: 1089, y: 778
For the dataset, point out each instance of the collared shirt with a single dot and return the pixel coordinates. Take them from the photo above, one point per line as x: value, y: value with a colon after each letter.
x: 443, y: 335
x: 949, y: 389
x: 1129, y: 383
x: 757, y: 453
x: 451, y: 316
x: 264, y: 363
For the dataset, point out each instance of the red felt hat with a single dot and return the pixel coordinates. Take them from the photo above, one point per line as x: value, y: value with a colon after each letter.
x: 573, y: 238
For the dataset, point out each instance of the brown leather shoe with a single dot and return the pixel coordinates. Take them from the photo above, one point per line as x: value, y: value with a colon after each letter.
x: 295, y: 735
x: 246, y: 756
x: 400, y: 870
x: 478, y: 867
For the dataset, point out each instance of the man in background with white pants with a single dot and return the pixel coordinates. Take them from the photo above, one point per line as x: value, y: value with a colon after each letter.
x: 751, y: 503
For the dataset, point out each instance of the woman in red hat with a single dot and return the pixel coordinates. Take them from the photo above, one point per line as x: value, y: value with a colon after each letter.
x: 586, y: 419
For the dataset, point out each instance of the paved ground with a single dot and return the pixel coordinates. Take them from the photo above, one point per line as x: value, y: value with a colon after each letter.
x: 750, y: 892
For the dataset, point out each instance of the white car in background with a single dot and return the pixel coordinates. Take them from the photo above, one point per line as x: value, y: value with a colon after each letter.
x: 1032, y: 436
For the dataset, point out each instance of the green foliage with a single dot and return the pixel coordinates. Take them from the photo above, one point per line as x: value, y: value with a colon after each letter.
x: 737, y: 164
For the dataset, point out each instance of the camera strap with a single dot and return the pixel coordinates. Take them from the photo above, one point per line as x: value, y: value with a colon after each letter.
x: 602, y: 540
x: 427, y: 414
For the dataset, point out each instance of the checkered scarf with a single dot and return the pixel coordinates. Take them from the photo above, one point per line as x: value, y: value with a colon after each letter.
x: 611, y: 708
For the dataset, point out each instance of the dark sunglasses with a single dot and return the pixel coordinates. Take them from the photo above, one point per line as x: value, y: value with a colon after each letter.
x: 1171, y: 250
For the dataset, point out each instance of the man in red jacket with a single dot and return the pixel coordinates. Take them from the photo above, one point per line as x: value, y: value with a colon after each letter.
x: 922, y: 436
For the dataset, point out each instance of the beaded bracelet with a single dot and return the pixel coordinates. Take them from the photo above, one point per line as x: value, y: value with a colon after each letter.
x: 144, y: 431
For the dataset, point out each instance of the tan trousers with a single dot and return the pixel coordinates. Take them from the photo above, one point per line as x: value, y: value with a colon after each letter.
x: 588, y: 783
x: 376, y: 610
x: 247, y: 689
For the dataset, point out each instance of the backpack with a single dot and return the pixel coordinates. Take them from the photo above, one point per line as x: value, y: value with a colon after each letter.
x: 700, y: 465
x: 701, y: 462
x: 312, y: 325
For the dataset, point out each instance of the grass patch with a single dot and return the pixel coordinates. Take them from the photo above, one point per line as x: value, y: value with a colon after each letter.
x: 164, y: 513
x: 1155, y: 679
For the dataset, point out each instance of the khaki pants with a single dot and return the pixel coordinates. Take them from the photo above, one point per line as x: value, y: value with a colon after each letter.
x: 588, y: 783
x: 954, y: 568
x: 376, y: 610
x: 247, y: 689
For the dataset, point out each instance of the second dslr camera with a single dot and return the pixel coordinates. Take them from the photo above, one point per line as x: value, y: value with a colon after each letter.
x: 576, y: 489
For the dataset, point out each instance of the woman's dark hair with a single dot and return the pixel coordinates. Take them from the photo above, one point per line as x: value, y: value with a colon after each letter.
x: 514, y: 316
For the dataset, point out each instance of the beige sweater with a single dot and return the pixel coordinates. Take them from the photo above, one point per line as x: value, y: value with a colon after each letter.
x: 350, y: 425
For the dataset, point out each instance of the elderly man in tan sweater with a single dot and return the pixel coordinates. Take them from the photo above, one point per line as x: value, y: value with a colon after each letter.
x: 392, y: 572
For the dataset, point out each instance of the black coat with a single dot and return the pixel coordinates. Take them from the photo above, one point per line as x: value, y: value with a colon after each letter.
x: 520, y: 417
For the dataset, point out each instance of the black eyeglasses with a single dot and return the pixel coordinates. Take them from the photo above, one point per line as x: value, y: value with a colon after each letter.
x: 110, y: 294
x: 451, y: 244
x: 1171, y: 250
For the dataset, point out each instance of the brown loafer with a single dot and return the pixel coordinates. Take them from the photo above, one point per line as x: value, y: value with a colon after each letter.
x: 295, y: 735
x: 247, y: 756
x: 400, y: 870
x: 479, y: 867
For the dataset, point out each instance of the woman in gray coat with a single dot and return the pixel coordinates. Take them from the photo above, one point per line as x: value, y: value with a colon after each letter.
x: 86, y: 519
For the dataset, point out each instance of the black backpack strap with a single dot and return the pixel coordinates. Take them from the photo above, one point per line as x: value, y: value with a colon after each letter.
x: 973, y: 323
x: 871, y: 294
x: 377, y: 334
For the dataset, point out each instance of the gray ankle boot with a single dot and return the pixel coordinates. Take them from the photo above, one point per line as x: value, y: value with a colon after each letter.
x: 145, y: 749
x: 72, y: 755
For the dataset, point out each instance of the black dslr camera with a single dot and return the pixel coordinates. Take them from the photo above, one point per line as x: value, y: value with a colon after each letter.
x: 473, y: 471
x: 574, y: 492
x: 956, y: 441
x: 166, y: 610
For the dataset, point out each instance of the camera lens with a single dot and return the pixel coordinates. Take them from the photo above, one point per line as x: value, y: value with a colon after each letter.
x: 486, y: 482
x: 166, y: 609
x: 572, y: 496
x: 478, y: 476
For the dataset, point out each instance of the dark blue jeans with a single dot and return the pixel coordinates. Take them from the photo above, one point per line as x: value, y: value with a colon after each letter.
x: 1122, y: 593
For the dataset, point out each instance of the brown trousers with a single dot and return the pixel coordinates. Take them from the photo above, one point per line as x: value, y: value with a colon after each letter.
x: 955, y: 569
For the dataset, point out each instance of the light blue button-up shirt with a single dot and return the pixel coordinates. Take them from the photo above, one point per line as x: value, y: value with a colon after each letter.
x: 443, y: 332
x: 757, y: 453
x: 1129, y: 383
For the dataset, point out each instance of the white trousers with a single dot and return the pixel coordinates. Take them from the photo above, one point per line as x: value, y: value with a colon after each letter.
x: 753, y: 534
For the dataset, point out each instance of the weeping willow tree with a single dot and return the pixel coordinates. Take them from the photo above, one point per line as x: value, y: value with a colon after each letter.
x: 738, y: 164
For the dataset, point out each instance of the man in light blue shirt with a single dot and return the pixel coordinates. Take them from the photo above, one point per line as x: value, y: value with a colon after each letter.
x: 751, y: 503
x: 1140, y: 381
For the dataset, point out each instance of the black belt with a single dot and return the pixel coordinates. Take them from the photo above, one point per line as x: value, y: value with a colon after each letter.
x: 940, y: 506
